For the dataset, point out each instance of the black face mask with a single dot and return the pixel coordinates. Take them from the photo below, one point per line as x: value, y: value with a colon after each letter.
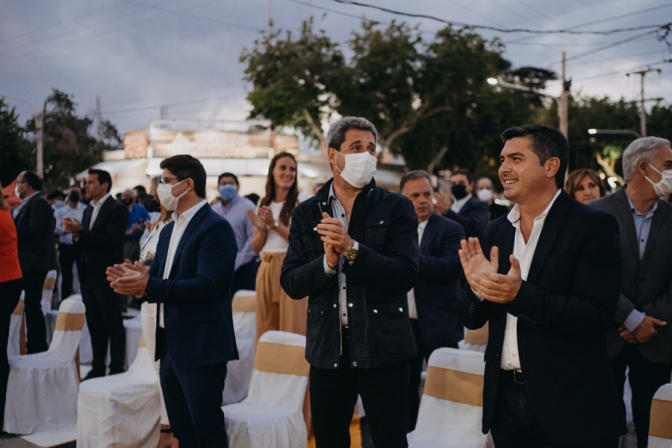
x: 151, y: 204
x: 127, y: 201
x: 459, y: 191
x: 74, y: 197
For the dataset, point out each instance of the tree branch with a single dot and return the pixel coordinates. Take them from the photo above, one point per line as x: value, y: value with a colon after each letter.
x: 316, y: 130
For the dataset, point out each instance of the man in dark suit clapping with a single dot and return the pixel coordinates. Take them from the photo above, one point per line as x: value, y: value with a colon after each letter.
x: 190, y: 278
x: 547, y: 279
x: 35, y: 226
x: 100, y: 240
x: 431, y: 302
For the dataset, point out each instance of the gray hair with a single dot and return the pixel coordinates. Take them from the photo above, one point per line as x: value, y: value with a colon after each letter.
x: 492, y: 184
x: 641, y: 149
x: 336, y: 134
x: 415, y: 174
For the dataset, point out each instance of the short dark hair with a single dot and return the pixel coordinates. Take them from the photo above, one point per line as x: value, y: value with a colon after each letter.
x: 233, y: 176
x: 547, y: 142
x: 56, y: 194
x: 184, y: 166
x: 465, y: 172
x: 103, y: 177
x: 141, y: 190
x: 415, y: 174
x: 33, y: 179
x: 336, y: 134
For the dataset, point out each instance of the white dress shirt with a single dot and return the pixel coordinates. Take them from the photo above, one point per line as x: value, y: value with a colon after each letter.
x: 457, y: 204
x: 96, y: 209
x: 181, y: 223
x: 412, y: 309
x: 524, y: 252
x: 67, y: 212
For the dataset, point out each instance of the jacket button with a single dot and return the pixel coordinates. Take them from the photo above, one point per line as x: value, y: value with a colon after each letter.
x: 354, y: 363
x: 335, y: 306
x: 350, y: 305
x: 401, y: 310
x: 336, y: 366
x: 381, y: 222
x: 375, y: 311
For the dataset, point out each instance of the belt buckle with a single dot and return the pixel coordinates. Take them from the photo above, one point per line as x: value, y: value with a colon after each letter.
x: 518, y: 377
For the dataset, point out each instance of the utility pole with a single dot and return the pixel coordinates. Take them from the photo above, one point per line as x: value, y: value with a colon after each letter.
x: 563, y: 106
x: 642, y: 112
x: 39, y: 129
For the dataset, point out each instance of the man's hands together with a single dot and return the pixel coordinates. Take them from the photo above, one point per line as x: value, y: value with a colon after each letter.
x: 335, y: 238
x: 128, y: 279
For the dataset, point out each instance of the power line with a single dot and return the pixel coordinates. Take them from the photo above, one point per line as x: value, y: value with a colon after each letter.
x: 144, y: 108
x: 620, y: 72
x: 504, y: 30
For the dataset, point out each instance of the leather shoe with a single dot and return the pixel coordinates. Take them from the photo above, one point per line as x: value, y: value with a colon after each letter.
x: 93, y: 374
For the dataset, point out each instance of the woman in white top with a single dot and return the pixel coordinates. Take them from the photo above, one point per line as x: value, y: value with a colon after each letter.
x: 275, y: 310
x: 148, y: 310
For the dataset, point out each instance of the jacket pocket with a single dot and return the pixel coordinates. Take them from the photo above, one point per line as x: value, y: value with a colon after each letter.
x: 376, y: 232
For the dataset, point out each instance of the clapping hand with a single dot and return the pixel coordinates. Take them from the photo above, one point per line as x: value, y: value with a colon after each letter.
x: 261, y: 219
x: 333, y: 233
x: 482, y: 274
x: 128, y: 279
x: 329, y: 251
x: 72, y: 226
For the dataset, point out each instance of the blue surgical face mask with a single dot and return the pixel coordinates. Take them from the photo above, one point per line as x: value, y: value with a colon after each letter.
x: 227, y: 192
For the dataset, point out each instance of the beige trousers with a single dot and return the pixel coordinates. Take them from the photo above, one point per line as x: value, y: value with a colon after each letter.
x: 275, y: 309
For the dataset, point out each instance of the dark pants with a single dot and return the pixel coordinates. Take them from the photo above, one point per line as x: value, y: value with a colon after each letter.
x: 245, y: 277
x: 36, y: 330
x: 9, y: 297
x: 514, y: 424
x: 333, y: 394
x: 68, y: 256
x: 194, y: 402
x: 415, y: 370
x: 106, y: 326
x: 645, y: 379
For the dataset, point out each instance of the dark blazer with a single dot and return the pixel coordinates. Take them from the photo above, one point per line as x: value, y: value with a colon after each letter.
x: 647, y: 283
x: 197, y: 293
x: 386, y: 228
x: 35, y: 226
x: 438, y: 285
x: 564, y: 308
x: 103, y: 245
x: 473, y: 216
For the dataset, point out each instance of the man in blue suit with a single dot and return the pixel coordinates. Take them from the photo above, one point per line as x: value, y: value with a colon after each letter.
x: 190, y: 279
x: 431, y: 302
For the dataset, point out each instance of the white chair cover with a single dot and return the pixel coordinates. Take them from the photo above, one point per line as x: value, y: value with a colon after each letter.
x: 271, y: 416
x: 452, y: 403
x: 133, y: 329
x: 660, y: 429
x: 121, y: 410
x: 48, y: 290
x: 239, y: 372
x: 85, y: 350
x: 14, y: 341
x: 42, y: 387
x: 475, y: 340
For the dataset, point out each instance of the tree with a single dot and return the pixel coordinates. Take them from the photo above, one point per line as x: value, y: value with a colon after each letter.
x: 15, y: 150
x: 68, y: 147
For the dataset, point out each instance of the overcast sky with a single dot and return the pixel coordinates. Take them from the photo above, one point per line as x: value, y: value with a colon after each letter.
x: 138, y: 55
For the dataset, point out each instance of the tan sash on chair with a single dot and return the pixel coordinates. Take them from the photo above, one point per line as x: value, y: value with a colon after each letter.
x: 69, y: 322
x: 477, y: 337
x: 49, y: 283
x: 453, y: 385
x: 661, y: 419
x: 244, y: 304
x: 281, y: 358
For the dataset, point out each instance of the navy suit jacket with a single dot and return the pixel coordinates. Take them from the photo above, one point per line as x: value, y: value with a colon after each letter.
x: 438, y: 285
x: 197, y: 295
x: 473, y: 216
x: 564, y: 308
x: 35, y: 226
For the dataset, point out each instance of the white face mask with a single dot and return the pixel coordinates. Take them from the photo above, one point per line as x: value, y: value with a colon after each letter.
x: 165, y: 193
x: 484, y: 194
x: 359, y: 169
x: 16, y: 190
x: 664, y: 186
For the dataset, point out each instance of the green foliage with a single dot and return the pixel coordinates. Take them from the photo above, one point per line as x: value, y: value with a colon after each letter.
x: 15, y: 152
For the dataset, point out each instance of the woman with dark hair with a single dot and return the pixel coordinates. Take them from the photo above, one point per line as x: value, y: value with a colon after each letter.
x: 584, y: 185
x: 10, y: 290
x: 275, y: 310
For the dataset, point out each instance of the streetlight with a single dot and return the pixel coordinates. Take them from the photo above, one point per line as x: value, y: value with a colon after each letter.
x: 39, y: 131
x: 593, y: 131
x: 561, y: 102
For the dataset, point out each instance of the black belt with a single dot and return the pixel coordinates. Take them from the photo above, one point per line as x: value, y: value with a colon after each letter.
x: 345, y: 332
x: 515, y: 375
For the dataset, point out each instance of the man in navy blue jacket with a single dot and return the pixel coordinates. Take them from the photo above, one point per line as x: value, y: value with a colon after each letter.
x: 431, y: 302
x: 190, y: 279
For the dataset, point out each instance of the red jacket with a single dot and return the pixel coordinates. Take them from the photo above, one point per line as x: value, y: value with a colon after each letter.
x: 9, y: 253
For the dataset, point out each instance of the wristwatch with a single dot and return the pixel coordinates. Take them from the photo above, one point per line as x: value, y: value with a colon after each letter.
x: 275, y: 224
x: 351, y: 254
